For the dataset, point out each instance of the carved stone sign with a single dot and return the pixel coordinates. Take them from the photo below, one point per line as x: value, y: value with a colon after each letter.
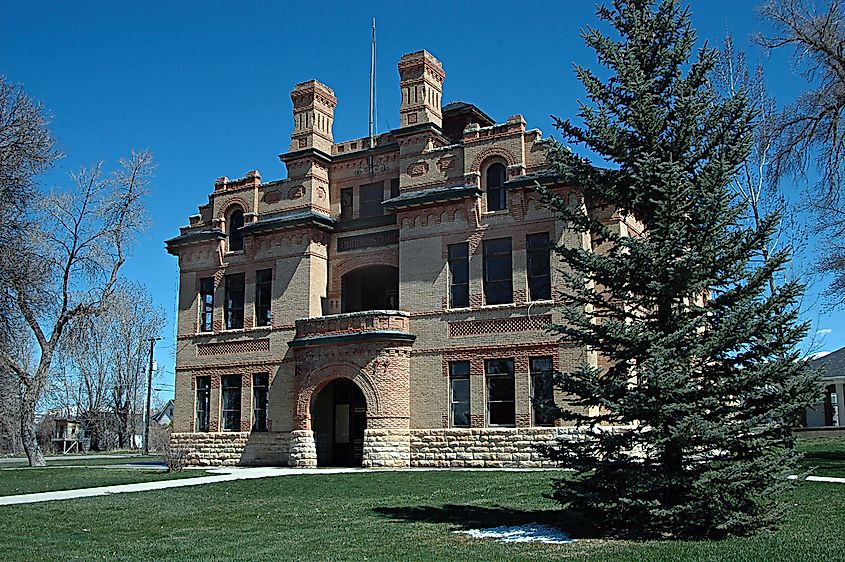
x: 373, y: 240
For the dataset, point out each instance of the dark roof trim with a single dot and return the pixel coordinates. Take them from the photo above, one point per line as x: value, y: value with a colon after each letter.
x: 376, y: 335
x: 545, y: 177
x: 411, y: 129
x: 462, y: 107
x: 284, y: 157
x: 368, y: 222
x: 292, y: 220
x: 428, y: 196
x: 195, y: 237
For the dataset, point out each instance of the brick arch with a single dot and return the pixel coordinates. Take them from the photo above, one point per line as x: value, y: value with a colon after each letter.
x: 357, y: 262
x: 495, y: 151
x: 319, y: 378
x: 228, y: 206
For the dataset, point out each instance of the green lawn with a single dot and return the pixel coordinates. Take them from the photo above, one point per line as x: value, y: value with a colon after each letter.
x: 373, y: 516
x: 825, y: 456
x: 15, y: 481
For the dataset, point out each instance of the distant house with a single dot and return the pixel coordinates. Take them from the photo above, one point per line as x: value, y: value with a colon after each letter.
x: 164, y: 416
x: 830, y: 412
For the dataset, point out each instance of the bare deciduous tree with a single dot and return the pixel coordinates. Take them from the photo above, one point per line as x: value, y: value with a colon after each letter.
x: 26, y: 149
x: 67, y: 267
x: 104, y: 360
x: 811, y: 130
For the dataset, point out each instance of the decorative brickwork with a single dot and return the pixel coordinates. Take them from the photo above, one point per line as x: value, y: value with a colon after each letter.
x: 499, y: 326
x: 398, y: 361
x: 234, y: 347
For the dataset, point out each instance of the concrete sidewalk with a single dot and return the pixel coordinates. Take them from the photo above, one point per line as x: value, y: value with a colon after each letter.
x: 234, y: 473
x: 219, y: 475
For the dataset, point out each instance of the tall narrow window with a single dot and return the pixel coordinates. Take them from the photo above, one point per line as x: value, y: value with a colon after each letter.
x: 203, y: 400
x: 500, y: 392
x: 235, y: 301
x: 494, y: 182
x: 347, y: 197
x: 542, y: 390
x: 458, y: 275
x: 539, y: 266
x: 236, y: 237
x: 394, y: 188
x: 459, y: 393
x: 206, y: 304
x: 263, y: 296
x: 231, y: 387
x: 259, y: 402
x: 498, y: 275
x: 372, y: 195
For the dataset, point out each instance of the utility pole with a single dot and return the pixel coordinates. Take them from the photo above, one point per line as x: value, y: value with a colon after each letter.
x: 147, y: 415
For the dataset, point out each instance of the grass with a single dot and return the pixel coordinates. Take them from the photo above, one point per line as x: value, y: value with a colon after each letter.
x: 373, y: 516
x: 33, y: 480
x: 824, y: 456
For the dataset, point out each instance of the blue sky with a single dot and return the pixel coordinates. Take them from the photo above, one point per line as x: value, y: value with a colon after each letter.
x: 205, y: 86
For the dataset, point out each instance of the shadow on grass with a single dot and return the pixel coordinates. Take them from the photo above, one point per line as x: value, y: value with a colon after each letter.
x: 475, y: 517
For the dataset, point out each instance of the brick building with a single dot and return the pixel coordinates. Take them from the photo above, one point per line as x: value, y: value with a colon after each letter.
x: 383, y: 305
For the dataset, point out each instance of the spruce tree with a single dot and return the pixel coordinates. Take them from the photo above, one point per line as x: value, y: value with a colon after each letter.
x: 689, y: 413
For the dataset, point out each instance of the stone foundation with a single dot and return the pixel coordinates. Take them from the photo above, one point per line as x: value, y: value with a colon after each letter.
x: 485, y: 448
x: 303, y: 449
x: 383, y: 448
x: 386, y: 448
x: 237, y: 448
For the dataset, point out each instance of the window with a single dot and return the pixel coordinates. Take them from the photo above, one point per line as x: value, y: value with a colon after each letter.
x: 263, y: 296
x: 539, y: 266
x: 235, y: 301
x: 459, y: 393
x: 394, y: 188
x: 206, y: 304
x: 259, y: 402
x: 542, y: 390
x: 496, y: 192
x: 458, y: 275
x: 346, y: 202
x: 500, y: 392
x: 202, y: 404
x: 236, y: 237
x: 372, y: 194
x: 231, y: 403
x: 498, y: 283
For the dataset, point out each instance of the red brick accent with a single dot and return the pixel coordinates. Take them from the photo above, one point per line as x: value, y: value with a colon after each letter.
x: 499, y: 326
x: 232, y: 347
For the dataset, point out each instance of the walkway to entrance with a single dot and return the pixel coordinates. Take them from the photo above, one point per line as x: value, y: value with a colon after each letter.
x: 339, y: 418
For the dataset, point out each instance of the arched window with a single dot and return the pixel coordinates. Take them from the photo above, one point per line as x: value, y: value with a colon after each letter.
x: 234, y: 224
x: 494, y: 184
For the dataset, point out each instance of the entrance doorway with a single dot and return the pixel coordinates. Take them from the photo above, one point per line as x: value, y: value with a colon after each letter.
x: 370, y: 288
x: 339, y: 418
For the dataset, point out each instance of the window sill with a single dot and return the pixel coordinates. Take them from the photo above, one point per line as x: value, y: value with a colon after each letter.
x: 496, y: 212
x: 235, y: 331
x: 233, y: 253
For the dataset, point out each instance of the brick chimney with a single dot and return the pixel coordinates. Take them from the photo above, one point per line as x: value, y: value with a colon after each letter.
x: 421, y: 81
x: 313, y: 115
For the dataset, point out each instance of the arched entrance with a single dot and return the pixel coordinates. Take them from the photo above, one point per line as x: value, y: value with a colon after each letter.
x: 339, y: 418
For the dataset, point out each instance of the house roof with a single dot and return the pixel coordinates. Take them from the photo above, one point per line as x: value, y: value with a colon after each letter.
x: 832, y: 364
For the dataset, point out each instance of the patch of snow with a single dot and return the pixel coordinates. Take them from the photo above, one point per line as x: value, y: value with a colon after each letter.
x: 521, y: 533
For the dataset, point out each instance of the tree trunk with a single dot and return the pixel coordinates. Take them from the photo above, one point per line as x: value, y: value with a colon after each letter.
x: 29, y: 438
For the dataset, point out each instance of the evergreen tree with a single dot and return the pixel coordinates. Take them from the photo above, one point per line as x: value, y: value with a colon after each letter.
x: 702, y: 379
